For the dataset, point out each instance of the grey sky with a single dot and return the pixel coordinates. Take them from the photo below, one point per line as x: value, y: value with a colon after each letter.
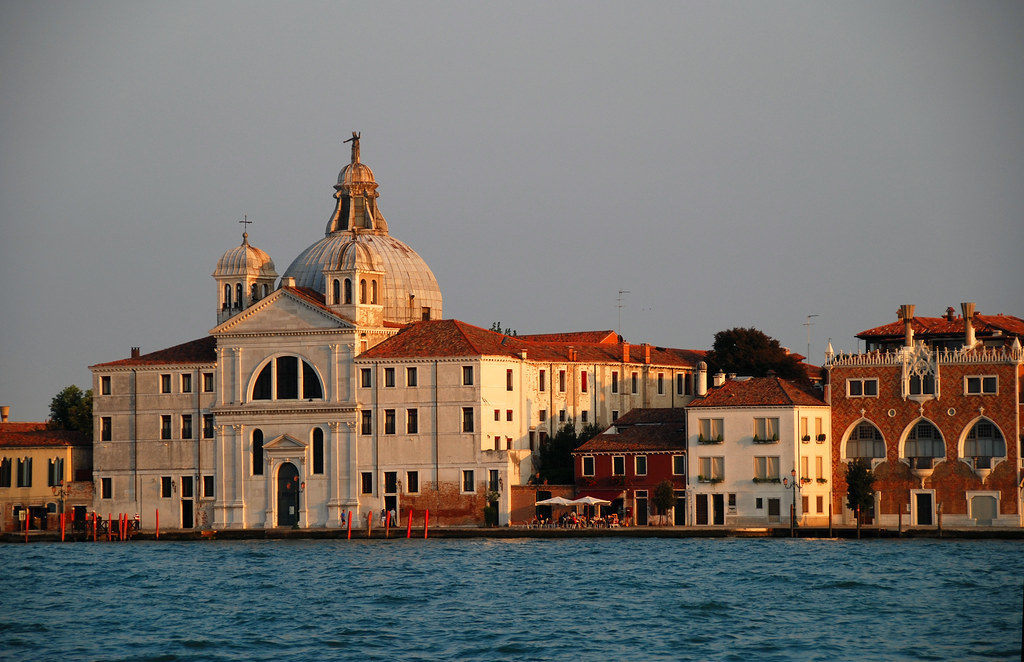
x: 728, y: 163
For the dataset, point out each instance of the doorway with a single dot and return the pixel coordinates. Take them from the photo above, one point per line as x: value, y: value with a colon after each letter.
x: 187, y: 495
x: 702, y: 509
x: 923, y: 509
x: 287, y: 495
x: 718, y: 500
x: 641, y: 507
x: 774, y: 510
x: 679, y: 515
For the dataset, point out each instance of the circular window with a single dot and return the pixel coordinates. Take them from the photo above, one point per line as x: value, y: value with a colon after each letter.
x: 891, y: 413
x: 951, y: 411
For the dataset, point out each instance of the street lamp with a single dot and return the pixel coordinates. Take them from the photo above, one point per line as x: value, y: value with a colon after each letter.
x: 794, y: 484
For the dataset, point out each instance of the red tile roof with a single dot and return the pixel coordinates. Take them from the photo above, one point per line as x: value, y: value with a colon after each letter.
x: 453, y: 338
x: 641, y: 430
x: 574, y: 336
x: 23, y: 435
x: 759, y: 392
x: 202, y: 350
x: 941, y: 326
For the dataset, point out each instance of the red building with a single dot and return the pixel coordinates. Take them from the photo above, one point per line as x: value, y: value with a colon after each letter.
x: 625, y: 463
x: 935, y: 406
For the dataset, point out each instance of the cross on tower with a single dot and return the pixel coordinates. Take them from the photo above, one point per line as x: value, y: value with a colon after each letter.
x: 245, y: 224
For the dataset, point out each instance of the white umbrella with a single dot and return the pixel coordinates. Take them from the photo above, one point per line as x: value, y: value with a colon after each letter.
x: 591, y: 501
x: 554, y: 501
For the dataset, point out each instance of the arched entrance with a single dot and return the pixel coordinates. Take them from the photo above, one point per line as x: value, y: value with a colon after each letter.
x: 287, y: 495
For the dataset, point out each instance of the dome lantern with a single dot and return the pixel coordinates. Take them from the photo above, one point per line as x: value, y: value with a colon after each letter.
x: 244, y: 274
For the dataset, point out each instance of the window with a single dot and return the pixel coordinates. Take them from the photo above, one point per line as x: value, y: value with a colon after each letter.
x: 389, y: 421
x: 497, y: 414
x: 106, y: 488
x: 508, y: 414
x: 425, y: 313
x: 688, y: 385
x: 678, y: 465
x: 805, y: 504
x: 803, y: 427
x: 588, y: 465
x: 661, y: 383
x: 924, y: 443
x: 542, y: 437
x: 636, y: 383
x: 348, y: 290
x: 336, y: 291
x: 412, y: 482
x: 186, y: 426
x: 532, y: 440
x: 541, y: 381
x: 283, y: 378
x: 412, y: 421
x: 820, y: 503
x: 862, y: 388
x: 186, y: 383
x: 766, y: 468
x: 732, y: 500
x: 711, y: 429
x: 983, y: 443
x: 497, y: 442
x: 165, y: 426
x: 105, y: 385
x: 508, y: 443
x: 373, y: 290
x: 238, y: 295
x: 467, y: 419
x: 254, y: 292
x: 583, y: 416
x: 758, y: 503
x: 508, y: 380
x: 711, y: 469
x: 981, y: 385
x: 819, y: 466
x: 922, y: 385
x: 410, y: 377
x: 583, y: 382
x: 165, y: 487
x: 55, y: 472
x: 165, y: 383
x: 389, y: 377
x: 467, y: 375
x: 542, y: 415
x: 818, y: 429
x: 318, y: 450
x: 390, y: 482
x: 365, y: 377
x: 618, y: 465
x: 615, y: 415
x: 208, y: 487
x: 492, y: 480
x: 679, y: 383
x: 561, y: 416
x: 561, y: 381
x: 805, y: 466
x: 640, y: 465
x: 865, y: 442
x: 468, y: 484
x: 207, y: 426
x: 105, y: 429
x: 5, y: 472
x: 766, y: 429
x: 362, y: 291
x: 207, y: 382
x: 366, y: 482
x: 227, y: 296
x: 365, y: 422
x: 615, y: 381
x: 257, y: 452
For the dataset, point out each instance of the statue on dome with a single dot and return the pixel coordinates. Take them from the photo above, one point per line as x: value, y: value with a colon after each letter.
x: 355, y: 145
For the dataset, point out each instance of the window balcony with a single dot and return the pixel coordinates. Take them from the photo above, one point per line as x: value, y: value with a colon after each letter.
x: 711, y: 440
x: 709, y: 479
x: 776, y: 480
x: 774, y: 439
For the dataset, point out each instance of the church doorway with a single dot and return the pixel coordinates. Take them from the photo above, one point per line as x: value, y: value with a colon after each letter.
x: 287, y: 495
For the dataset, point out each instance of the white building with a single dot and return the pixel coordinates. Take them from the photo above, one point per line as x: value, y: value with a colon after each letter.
x: 748, y: 440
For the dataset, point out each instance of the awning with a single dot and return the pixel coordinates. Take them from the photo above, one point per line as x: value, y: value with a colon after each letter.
x: 607, y: 495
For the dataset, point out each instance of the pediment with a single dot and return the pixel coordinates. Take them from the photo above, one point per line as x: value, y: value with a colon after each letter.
x: 282, y: 311
x: 285, y: 442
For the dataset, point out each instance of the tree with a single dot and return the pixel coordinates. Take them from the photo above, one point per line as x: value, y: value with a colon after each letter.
x: 554, y: 459
x: 748, y: 351
x: 664, y: 497
x: 496, y: 327
x: 71, y: 409
x: 860, y: 494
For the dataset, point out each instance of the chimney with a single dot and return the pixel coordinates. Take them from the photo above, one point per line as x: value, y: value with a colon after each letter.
x: 5, y: 413
x: 135, y: 352
x: 730, y: 376
x: 625, y: 352
x: 702, y: 378
x: 719, y: 379
x: 647, y: 353
x: 950, y: 314
x: 969, y: 339
x: 907, y: 315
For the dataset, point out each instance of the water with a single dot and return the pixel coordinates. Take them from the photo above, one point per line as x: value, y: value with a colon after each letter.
x: 594, y: 599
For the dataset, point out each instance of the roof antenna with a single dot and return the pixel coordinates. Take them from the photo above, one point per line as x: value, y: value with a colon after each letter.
x: 618, y: 304
x: 809, y: 324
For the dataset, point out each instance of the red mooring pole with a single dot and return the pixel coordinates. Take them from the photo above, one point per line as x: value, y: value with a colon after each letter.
x: 387, y: 525
x: 158, y: 524
x: 62, y: 527
x: 426, y: 522
x: 28, y: 516
x: 408, y: 525
x: 94, y: 527
x: 109, y: 527
x: 350, y: 525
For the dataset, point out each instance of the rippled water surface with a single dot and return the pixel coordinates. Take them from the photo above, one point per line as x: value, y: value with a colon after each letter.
x: 596, y: 599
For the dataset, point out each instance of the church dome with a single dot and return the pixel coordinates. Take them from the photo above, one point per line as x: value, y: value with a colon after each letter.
x: 358, y: 255
x: 356, y: 174
x: 245, y: 260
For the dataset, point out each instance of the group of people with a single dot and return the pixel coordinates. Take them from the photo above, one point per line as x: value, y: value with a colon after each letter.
x: 572, y: 520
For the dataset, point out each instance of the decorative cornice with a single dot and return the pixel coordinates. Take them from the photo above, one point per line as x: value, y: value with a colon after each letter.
x: 240, y: 411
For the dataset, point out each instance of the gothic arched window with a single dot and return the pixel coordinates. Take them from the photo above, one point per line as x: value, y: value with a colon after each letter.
x: 318, y: 451
x: 983, y: 443
x: 865, y: 442
x: 923, y: 444
x: 257, y: 452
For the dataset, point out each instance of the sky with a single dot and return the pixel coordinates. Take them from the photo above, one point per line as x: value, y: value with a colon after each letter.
x: 727, y: 163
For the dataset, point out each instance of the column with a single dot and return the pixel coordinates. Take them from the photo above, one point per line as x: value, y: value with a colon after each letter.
x: 269, y: 468
x: 334, y: 507
x: 221, y: 477
x: 238, y: 471
x: 334, y: 393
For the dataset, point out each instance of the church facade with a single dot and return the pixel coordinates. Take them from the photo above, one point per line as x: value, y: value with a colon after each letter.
x: 339, y: 387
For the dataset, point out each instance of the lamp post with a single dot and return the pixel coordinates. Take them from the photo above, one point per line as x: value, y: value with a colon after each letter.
x: 794, y: 484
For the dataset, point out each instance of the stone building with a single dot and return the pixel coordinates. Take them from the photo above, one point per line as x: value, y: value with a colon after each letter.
x: 935, y: 406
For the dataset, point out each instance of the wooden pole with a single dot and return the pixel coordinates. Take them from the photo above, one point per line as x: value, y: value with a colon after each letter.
x: 350, y: 525
x: 408, y: 525
x: 28, y: 516
x: 110, y: 533
x: 426, y: 523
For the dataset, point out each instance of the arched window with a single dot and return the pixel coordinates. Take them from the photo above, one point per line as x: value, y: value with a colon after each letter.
x: 227, y: 295
x: 924, y: 443
x: 337, y: 291
x: 318, y: 451
x: 373, y: 290
x: 348, y: 290
x: 257, y: 452
x: 254, y: 292
x: 282, y: 379
x: 865, y: 442
x: 983, y: 443
x: 266, y: 290
x: 362, y: 291
x: 238, y: 295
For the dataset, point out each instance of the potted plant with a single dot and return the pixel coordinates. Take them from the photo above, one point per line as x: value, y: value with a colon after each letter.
x: 823, y: 480
x: 806, y: 438
x: 821, y: 438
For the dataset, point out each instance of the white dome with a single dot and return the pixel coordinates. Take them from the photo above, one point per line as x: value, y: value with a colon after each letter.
x: 245, y: 260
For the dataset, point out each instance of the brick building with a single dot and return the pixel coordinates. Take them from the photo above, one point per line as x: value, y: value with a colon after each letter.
x: 935, y: 406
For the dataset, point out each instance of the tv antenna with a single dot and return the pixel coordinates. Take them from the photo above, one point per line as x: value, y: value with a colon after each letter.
x: 618, y: 304
x: 809, y: 324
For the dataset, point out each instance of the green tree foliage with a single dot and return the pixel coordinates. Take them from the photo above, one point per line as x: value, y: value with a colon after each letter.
x: 554, y: 459
x: 71, y: 409
x: 859, y: 490
x: 748, y: 351
x: 496, y: 327
x: 664, y: 496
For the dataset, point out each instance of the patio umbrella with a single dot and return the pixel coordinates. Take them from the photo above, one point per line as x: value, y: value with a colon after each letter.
x: 590, y: 501
x: 554, y: 501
